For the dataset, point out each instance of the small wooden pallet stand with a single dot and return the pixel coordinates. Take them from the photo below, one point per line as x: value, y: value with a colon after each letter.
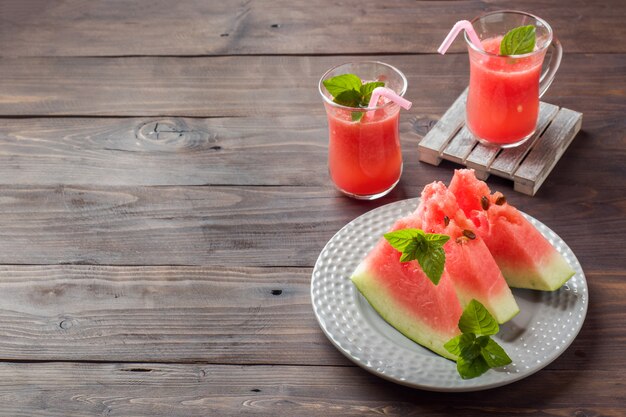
x: 528, y: 165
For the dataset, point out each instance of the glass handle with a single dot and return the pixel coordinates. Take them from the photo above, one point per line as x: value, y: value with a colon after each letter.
x: 555, y: 60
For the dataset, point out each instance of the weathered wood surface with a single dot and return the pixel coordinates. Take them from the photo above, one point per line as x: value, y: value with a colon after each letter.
x: 164, y: 314
x: 547, y: 151
x: 194, y: 27
x: 214, y: 315
x: 248, y: 226
x: 262, y: 85
x: 170, y: 151
x: 460, y: 146
x: 144, y: 389
x: 200, y: 87
x: 168, y: 225
x: 163, y: 198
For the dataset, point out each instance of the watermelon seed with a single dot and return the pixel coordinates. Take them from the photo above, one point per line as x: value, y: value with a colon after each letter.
x: 446, y: 220
x: 469, y: 234
x: 501, y: 200
x: 484, y: 201
x: 277, y: 292
x: 462, y: 240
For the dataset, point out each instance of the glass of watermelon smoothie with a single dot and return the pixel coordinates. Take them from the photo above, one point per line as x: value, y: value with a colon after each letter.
x: 364, y: 154
x: 504, y: 91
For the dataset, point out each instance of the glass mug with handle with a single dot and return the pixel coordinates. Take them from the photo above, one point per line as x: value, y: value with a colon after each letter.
x: 504, y: 91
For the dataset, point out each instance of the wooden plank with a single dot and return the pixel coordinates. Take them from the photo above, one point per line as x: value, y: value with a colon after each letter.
x: 290, y: 150
x: 223, y: 86
x: 509, y: 159
x: 238, y: 315
x: 200, y: 86
x: 547, y: 151
x: 460, y: 146
x: 248, y: 226
x: 164, y: 314
x: 206, y: 314
x: 481, y: 158
x: 169, y: 225
x: 144, y: 389
x: 82, y: 28
x: 435, y: 141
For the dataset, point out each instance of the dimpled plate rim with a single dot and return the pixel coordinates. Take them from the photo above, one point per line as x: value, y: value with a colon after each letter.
x: 546, y: 326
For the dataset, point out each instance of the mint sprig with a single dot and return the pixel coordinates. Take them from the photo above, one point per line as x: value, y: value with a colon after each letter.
x: 426, y: 248
x: 477, y: 352
x: 348, y: 90
x: 518, y: 41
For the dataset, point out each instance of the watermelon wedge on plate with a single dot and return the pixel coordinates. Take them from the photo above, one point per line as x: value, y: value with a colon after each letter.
x: 404, y: 296
x: 525, y: 257
x: 469, y: 263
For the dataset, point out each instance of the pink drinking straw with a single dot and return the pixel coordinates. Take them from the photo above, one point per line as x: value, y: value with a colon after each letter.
x: 459, y: 26
x: 388, y: 94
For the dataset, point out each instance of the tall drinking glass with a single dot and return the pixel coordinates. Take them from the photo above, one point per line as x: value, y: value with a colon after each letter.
x: 504, y: 91
x: 364, y: 154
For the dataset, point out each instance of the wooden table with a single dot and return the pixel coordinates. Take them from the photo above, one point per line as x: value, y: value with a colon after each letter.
x: 164, y: 197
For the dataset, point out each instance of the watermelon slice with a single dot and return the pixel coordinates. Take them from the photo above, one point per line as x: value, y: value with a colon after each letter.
x: 404, y: 296
x: 525, y: 257
x: 469, y: 263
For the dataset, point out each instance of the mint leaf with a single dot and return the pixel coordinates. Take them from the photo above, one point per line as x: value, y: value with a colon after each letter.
x: 472, y: 349
x: 476, y: 355
x: 494, y: 355
x: 518, y: 41
x: 426, y: 248
x: 432, y: 261
x: 469, y: 349
x: 344, y: 82
x: 476, y: 319
x: 350, y: 98
x: 357, y: 115
x: 367, y: 89
x: 471, y: 368
x: 437, y: 239
x: 407, y: 257
x: 456, y: 344
x: 402, y: 238
x: 348, y: 90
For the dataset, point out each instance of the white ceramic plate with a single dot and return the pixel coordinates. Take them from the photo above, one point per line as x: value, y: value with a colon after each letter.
x: 547, y: 323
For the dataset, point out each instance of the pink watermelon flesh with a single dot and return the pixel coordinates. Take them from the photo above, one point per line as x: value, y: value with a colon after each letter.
x: 404, y: 296
x: 469, y: 263
x: 525, y: 257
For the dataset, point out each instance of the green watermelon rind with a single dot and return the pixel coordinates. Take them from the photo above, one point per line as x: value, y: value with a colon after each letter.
x: 551, y: 276
x: 409, y: 325
x: 503, y: 308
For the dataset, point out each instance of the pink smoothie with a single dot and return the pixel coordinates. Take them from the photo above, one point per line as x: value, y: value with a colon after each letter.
x: 503, y: 101
x: 364, y: 157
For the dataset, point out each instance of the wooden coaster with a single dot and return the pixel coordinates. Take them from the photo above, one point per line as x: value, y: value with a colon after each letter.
x: 528, y: 165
